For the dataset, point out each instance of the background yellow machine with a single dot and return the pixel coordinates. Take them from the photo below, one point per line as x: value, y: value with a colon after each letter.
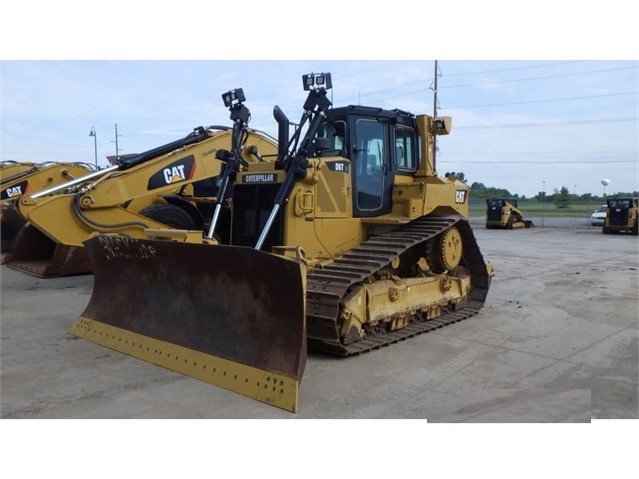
x: 504, y: 214
x: 621, y: 216
x: 9, y: 167
x: 18, y: 179
x: 350, y: 241
x: 171, y: 186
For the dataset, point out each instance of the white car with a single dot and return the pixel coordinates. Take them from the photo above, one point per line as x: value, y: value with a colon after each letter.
x: 599, y: 216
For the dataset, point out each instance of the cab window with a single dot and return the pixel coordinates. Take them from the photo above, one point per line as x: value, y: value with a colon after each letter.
x: 369, y: 166
x: 334, y: 133
x: 405, y: 149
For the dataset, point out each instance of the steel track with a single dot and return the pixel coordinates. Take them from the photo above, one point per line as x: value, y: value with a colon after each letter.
x: 328, y: 285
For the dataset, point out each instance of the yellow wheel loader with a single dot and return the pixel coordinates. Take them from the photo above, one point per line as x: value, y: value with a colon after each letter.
x: 18, y: 179
x: 9, y: 168
x: 504, y: 214
x: 621, y: 216
x: 350, y: 241
x: 171, y: 186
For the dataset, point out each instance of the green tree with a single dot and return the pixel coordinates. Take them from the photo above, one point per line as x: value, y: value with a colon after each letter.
x: 479, y: 190
x: 462, y: 177
x: 562, y: 197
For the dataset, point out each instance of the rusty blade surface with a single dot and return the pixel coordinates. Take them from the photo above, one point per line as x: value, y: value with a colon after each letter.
x: 234, y: 303
x: 34, y: 253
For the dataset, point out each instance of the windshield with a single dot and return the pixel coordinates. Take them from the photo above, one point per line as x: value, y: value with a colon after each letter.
x: 621, y: 203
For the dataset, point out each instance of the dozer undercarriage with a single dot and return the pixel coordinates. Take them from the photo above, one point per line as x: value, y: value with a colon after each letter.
x: 372, y: 248
x: 361, y: 301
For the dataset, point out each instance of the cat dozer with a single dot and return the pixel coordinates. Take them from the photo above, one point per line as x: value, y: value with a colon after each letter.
x: 17, y: 179
x: 350, y: 241
x: 504, y: 214
x: 171, y: 186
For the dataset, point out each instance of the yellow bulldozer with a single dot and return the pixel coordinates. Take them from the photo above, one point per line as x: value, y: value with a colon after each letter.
x: 348, y: 242
x: 503, y: 213
x: 621, y: 215
x: 170, y: 186
x: 18, y: 179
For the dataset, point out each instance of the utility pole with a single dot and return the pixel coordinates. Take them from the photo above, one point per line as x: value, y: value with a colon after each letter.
x: 543, y: 205
x: 95, y: 144
x: 435, y: 116
x: 117, y: 150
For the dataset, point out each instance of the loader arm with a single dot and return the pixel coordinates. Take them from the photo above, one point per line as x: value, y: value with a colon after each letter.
x: 174, y: 190
x: 10, y: 168
x: 114, y: 202
x: 37, y: 180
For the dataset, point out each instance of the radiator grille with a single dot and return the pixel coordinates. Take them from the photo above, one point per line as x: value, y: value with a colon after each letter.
x: 252, y: 205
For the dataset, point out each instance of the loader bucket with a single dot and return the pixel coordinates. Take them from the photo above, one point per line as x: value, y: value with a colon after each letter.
x: 34, y: 253
x: 231, y: 316
x: 10, y: 224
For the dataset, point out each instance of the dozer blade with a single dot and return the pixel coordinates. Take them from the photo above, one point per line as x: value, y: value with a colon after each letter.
x: 34, y: 253
x: 231, y: 316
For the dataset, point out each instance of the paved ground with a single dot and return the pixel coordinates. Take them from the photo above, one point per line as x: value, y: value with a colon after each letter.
x: 557, y: 342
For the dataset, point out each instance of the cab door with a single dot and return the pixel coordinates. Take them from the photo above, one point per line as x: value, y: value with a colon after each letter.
x: 372, y: 172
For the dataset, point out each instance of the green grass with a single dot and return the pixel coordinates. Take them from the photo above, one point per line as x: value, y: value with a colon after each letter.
x: 534, y: 208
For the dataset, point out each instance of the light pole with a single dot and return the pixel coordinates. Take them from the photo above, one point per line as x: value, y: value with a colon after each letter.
x: 543, y: 204
x: 95, y: 144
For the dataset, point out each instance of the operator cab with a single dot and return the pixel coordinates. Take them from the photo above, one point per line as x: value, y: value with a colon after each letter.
x: 381, y: 144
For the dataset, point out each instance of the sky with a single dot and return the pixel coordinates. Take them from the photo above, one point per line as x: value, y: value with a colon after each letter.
x: 524, y: 125
x: 527, y: 120
x: 542, y: 95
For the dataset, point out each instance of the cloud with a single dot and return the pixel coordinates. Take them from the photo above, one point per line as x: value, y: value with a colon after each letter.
x: 562, y: 121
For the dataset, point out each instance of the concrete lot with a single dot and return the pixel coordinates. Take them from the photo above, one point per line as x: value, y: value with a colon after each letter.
x: 555, y: 342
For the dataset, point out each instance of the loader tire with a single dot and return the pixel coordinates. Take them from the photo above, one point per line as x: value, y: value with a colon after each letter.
x: 170, y: 215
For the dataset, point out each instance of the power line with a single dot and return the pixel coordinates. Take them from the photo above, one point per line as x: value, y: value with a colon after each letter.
x: 485, y: 83
x: 527, y: 67
x: 597, y: 121
x: 346, y: 100
x: 422, y: 81
x: 584, y: 151
x: 548, y: 100
x: 559, y: 75
x: 532, y: 162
